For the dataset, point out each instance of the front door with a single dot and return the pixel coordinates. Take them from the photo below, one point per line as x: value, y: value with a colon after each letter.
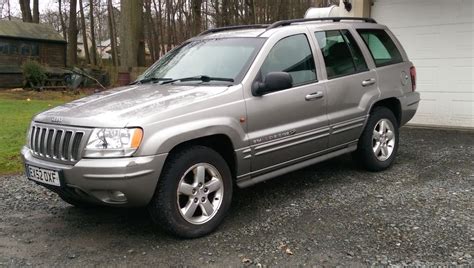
x: 290, y: 125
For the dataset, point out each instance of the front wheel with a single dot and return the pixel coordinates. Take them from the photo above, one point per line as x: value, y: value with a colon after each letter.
x: 193, y: 194
x: 378, y: 143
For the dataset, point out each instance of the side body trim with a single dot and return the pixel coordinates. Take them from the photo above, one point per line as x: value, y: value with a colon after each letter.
x: 247, y: 180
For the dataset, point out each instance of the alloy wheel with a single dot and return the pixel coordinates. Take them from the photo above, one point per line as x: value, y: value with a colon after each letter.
x: 200, y: 193
x: 383, y: 139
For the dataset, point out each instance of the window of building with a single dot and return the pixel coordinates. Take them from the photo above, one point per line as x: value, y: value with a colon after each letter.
x: 19, y: 48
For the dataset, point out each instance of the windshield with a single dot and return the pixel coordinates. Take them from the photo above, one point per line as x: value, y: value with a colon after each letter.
x: 227, y: 58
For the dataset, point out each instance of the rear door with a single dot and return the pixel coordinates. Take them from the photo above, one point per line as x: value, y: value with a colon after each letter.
x: 351, y: 84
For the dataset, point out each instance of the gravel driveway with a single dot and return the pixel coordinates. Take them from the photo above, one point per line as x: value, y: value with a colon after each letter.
x: 418, y: 212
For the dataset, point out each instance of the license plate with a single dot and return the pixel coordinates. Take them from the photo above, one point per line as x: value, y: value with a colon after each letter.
x: 42, y: 175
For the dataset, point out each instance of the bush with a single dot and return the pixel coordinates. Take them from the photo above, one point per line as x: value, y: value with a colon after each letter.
x: 34, y: 73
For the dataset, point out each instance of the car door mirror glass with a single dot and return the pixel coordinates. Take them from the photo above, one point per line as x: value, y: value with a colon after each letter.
x: 274, y: 81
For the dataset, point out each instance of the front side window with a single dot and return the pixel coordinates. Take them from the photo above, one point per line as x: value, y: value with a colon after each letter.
x: 224, y: 58
x: 341, y: 54
x: 381, y: 46
x: 292, y: 55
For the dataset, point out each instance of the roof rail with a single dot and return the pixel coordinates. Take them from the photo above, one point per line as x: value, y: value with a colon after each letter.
x: 282, y: 23
x: 238, y: 27
x: 334, y: 19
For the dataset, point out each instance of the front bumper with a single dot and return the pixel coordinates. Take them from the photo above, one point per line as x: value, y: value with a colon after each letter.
x: 98, y: 180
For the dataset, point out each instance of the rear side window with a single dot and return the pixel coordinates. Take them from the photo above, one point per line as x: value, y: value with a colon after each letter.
x: 292, y: 55
x: 341, y: 54
x: 359, y: 60
x: 381, y: 46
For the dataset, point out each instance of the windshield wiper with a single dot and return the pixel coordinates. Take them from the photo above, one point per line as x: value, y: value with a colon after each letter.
x: 203, y: 78
x: 149, y: 79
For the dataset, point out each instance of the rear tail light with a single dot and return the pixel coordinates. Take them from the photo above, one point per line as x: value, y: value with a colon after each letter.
x: 413, y: 78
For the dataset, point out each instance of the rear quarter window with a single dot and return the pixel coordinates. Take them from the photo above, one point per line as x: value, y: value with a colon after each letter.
x: 381, y: 46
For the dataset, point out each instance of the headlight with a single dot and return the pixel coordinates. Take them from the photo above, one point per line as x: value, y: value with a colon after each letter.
x: 113, y: 142
x: 28, y: 135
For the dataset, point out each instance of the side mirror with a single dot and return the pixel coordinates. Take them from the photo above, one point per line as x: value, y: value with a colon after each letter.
x: 273, y: 81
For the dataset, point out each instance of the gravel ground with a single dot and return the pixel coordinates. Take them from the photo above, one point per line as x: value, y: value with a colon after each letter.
x: 420, y: 212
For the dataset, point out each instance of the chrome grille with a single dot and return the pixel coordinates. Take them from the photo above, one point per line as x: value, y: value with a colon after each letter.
x: 58, y: 143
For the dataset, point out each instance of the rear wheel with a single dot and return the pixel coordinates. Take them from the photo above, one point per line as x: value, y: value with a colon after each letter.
x: 378, y: 143
x: 193, y: 194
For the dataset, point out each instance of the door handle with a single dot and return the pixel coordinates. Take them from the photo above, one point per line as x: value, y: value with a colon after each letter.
x: 368, y: 82
x: 314, y: 96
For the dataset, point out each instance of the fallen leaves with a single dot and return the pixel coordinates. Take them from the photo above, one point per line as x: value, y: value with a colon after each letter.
x: 285, y: 249
x: 246, y: 261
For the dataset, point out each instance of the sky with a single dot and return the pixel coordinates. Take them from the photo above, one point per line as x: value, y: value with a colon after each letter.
x: 43, y: 5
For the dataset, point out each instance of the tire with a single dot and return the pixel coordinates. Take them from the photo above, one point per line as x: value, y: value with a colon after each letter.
x: 167, y: 207
x: 368, y: 155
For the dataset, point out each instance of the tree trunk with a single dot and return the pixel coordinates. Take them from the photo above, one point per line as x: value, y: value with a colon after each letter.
x: 84, y: 33
x: 35, y: 11
x: 61, y: 19
x: 9, y: 10
x: 132, y: 46
x: 197, y: 18
x: 93, y: 43
x: 168, y: 25
x: 225, y: 13
x: 112, y: 33
x: 250, y: 11
x: 26, y: 11
x: 72, y: 33
x: 161, y: 26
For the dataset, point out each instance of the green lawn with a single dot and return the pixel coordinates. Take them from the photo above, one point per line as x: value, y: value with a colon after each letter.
x: 15, y: 115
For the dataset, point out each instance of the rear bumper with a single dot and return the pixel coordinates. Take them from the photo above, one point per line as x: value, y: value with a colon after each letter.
x: 99, y: 180
x: 409, y: 104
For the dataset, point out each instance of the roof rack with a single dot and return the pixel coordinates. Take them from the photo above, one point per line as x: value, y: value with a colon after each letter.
x: 334, y: 19
x: 283, y: 23
x: 238, y: 27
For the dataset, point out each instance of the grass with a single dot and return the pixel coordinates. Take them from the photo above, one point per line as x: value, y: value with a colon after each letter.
x: 16, y: 110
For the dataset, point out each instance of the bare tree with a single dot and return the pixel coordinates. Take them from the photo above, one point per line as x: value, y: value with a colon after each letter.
x: 132, y: 45
x: 5, y: 5
x: 197, y: 18
x: 151, y: 33
x: 9, y: 8
x: 61, y: 18
x: 92, y: 24
x: 72, y: 34
x: 160, y: 25
x: 112, y: 33
x: 26, y: 11
x: 35, y: 18
x: 84, y: 32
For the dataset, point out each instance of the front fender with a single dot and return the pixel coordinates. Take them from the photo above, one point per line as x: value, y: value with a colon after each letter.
x: 164, y: 140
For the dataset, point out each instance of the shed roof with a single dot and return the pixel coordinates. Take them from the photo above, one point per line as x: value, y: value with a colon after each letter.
x: 24, y: 30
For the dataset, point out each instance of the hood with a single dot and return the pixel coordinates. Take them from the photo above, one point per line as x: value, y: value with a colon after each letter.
x: 118, y: 107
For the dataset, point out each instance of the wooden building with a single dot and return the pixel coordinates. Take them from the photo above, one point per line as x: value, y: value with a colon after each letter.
x: 20, y: 41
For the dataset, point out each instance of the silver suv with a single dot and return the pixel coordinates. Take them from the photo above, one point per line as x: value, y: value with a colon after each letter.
x: 231, y: 107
